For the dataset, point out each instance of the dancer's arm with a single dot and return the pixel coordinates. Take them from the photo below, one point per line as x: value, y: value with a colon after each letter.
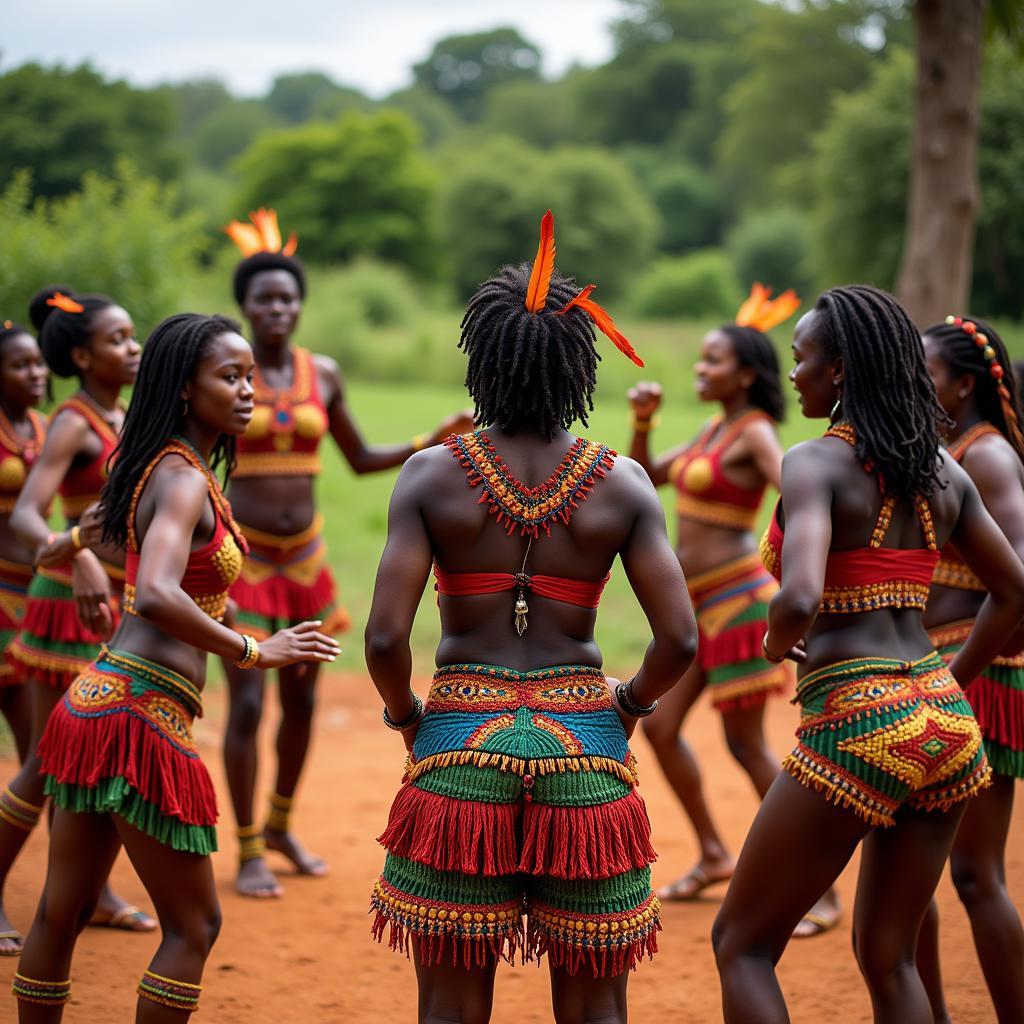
x: 765, y: 451
x: 644, y: 400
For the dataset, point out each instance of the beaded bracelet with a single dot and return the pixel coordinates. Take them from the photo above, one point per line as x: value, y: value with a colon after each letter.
x: 409, y: 721
x: 76, y: 538
x: 767, y: 656
x: 251, y: 655
x: 645, y: 426
x: 624, y: 695
x: 421, y: 441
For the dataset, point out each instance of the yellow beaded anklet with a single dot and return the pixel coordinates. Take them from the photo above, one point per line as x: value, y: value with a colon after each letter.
x: 250, y: 843
x: 279, y: 815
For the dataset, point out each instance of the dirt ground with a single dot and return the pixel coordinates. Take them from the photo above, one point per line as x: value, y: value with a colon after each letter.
x: 308, y: 957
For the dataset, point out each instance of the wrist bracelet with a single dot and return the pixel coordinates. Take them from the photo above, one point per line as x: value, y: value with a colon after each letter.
x: 624, y: 695
x: 421, y: 441
x: 767, y: 656
x: 645, y: 426
x: 251, y: 655
x: 409, y: 721
x: 76, y: 538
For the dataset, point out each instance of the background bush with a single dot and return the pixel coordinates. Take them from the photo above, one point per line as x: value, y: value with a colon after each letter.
x: 702, y: 284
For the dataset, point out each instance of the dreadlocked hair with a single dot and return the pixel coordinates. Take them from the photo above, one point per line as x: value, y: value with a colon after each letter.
x: 754, y: 349
x: 60, y: 332
x: 996, y: 397
x: 528, y: 371
x: 261, y: 261
x: 169, y: 360
x: 887, y: 395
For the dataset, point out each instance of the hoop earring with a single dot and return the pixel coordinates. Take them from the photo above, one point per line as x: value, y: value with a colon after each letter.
x: 836, y: 409
x: 184, y: 411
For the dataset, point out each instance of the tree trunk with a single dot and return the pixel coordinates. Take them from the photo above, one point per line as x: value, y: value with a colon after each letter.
x: 935, y: 272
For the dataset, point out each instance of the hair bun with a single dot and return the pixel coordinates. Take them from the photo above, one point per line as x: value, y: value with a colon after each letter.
x: 39, y: 310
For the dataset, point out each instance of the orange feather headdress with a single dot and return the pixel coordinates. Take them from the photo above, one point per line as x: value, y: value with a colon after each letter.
x: 60, y: 301
x: 262, y: 235
x: 763, y: 312
x: 540, y: 284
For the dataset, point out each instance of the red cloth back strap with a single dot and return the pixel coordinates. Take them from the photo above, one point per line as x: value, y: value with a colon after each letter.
x: 582, y: 593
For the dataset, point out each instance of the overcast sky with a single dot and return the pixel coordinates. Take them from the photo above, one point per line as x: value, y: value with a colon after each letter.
x: 370, y: 44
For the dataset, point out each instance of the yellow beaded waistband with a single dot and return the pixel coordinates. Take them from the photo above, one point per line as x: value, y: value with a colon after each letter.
x: 283, y: 542
x: 277, y: 464
x: 716, y: 513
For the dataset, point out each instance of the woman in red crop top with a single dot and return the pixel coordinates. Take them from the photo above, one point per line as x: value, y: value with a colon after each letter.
x: 520, y: 795
x: 973, y: 378
x: 118, y: 755
x: 888, y: 750
x: 300, y: 399
x: 721, y: 478
x: 69, y: 604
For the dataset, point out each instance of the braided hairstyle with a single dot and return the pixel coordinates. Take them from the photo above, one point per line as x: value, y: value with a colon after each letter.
x: 528, y: 371
x: 887, y: 396
x: 754, y: 350
x: 9, y: 329
x: 977, y: 350
x: 169, y: 359
x: 60, y: 332
x: 261, y: 261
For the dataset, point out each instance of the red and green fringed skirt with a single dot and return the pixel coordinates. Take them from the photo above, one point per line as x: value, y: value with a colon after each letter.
x: 120, y: 742
x: 731, y: 605
x: 284, y: 581
x: 519, y: 800
x: 14, y: 583
x: 997, y: 697
x: 53, y: 647
x: 876, y: 733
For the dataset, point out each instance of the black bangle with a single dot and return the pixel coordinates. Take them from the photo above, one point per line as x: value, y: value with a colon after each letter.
x: 409, y: 721
x: 624, y: 695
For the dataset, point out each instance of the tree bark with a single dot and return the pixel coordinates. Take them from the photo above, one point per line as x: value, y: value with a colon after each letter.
x: 935, y: 271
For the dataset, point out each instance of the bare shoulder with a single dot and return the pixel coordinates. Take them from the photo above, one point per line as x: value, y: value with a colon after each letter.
x: 991, y: 460
x: 177, y: 483
x: 629, y: 482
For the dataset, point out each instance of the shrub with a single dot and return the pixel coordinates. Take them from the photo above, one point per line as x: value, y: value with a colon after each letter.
x: 701, y: 284
x: 772, y: 246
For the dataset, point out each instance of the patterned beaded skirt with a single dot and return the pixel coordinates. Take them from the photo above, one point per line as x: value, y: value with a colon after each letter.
x: 14, y: 583
x: 997, y: 697
x: 519, y: 800
x: 876, y: 733
x: 120, y: 742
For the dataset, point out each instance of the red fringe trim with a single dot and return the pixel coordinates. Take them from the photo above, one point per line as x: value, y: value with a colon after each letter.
x: 605, y: 963
x: 732, y: 645
x: 587, y: 842
x: 24, y: 670
x: 468, y: 951
x: 57, y: 619
x: 999, y: 710
x: 746, y: 701
x: 452, y: 835
x: 280, y: 597
x: 83, y: 751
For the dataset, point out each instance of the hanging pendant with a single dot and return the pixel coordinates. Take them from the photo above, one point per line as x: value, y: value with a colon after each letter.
x: 521, y: 612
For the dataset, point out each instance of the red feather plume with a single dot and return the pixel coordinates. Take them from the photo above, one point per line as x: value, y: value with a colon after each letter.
x: 543, y: 265
x: 602, y: 319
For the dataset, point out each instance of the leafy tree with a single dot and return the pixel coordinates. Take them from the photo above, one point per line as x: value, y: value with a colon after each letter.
x: 194, y: 101
x: 60, y: 123
x: 464, y: 68
x: 354, y: 186
x: 435, y: 117
x: 690, y: 206
x: 539, y: 113
x: 229, y: 130
x: 297, y: 98
x: 700, y: 284
x: 773, y: 247
x: 120, y: 235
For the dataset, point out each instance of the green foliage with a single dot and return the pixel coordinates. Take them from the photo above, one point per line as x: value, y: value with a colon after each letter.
x: 119, y: 236
x: 773, y: 247
x: 229, y: 130
x: 690, y: 207
x: 435, y: 117
x: 464, y: 68
x: 354, y: 186
x: 702, y: 284
x: 297, y: 98
x: 194, y: 101
x: 59, y: 123
x: 382, y: 295
x: 539, y: 113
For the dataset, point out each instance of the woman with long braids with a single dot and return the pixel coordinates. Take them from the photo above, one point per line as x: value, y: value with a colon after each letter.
x: 520, y: 791
x: 72, y: 598
x: 23, y: 383
x: 118, y: 756
x: 888, y: 750
x: 970, y: 368
x: 300, y: 397
x: 721, y: 478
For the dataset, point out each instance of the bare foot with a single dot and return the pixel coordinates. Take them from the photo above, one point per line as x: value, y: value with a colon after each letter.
x: 256, y: 880
x: 305, y: 862
x: 113, y: 912
x: 821, y: 918
x: 706, y: 873
x: 10, y: 937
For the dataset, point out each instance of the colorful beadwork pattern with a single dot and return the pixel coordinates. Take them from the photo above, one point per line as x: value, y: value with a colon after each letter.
x: 997, y: 697
x: 45, y: 993
x: 876, y: 733
x: 519, y: 799
x: 181, y: 995
x: 530, y: 508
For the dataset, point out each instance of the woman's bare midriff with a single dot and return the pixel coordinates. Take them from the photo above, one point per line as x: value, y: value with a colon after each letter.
x: 280, y: 505
x: 702, y: 547
x: 887, y: 633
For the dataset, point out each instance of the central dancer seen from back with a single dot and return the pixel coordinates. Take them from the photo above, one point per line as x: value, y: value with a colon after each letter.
x: 520, y: 791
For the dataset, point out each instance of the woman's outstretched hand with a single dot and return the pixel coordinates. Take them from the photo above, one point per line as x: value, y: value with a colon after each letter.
x: 297, y: 643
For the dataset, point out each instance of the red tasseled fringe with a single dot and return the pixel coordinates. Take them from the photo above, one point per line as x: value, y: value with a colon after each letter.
x: 745, y: 701
x: 55, y: 619
x: 732, y: 645
x: 466, y: 950
x: 587, y: 842
x: 280, y: 597
x: 452, y: 835
x: 999, y: 710
x: 54, y: 678
x: 605, y: 963
x: 84, y: 751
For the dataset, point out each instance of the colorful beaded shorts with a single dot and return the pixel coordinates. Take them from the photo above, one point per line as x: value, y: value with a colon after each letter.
x: 731, y: 605
x: 120, y: 742
x: 284, y: 581
x: 997, y: 697
x: 876, y: 733
x: 519, y: 799
x: 53, y: 646
x: 14, y: 583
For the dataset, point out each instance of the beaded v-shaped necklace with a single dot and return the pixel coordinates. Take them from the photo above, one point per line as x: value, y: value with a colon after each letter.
x: 26, y: 448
